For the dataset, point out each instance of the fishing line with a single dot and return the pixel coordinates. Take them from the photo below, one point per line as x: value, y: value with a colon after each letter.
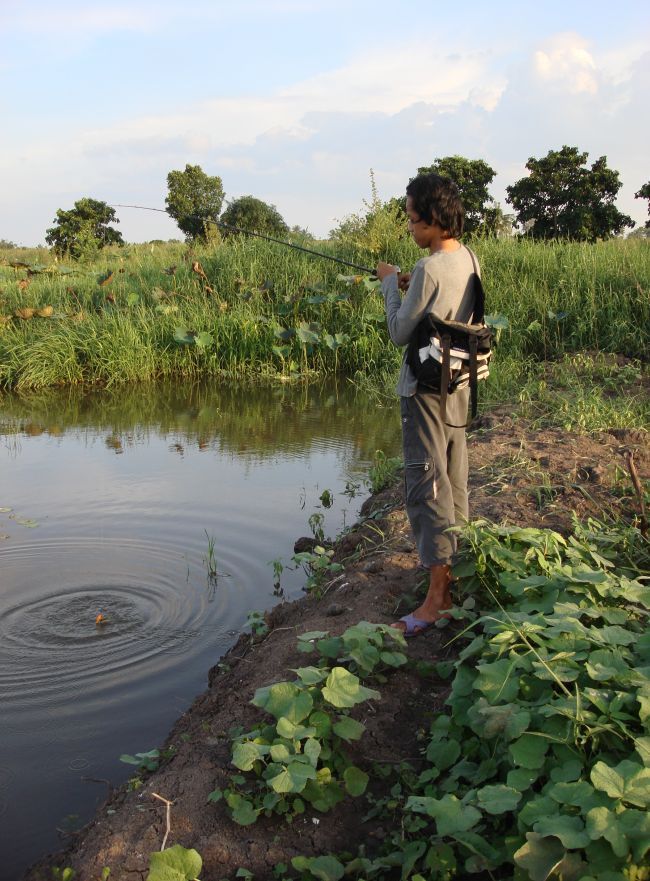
x: 260, y: 235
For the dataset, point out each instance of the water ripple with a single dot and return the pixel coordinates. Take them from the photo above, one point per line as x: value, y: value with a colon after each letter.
x: 51, y: 641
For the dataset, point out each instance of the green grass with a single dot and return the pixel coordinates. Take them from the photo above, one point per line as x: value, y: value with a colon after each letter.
x: 577, y: 392
x: 272, y: 312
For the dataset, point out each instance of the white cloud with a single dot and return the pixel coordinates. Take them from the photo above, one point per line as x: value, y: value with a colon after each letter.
x: 565, y: 62
x: 387, y: 79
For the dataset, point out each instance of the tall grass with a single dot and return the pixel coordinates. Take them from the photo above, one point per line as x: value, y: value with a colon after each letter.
x: 559, y: 298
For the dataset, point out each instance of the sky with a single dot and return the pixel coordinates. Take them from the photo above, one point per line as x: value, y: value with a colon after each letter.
x: 295, y: 101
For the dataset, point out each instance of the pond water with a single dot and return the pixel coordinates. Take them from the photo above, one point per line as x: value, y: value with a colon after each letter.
x: 109, y: 503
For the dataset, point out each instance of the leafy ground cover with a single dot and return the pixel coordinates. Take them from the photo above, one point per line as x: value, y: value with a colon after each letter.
x: 511, y: 744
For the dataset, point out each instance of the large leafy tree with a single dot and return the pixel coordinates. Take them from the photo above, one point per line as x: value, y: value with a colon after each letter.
x: 473, y: 177
x: 563, y: 197
x: 84, y: 229
x: 255, y: 215
x: 194, y: 200
x: 644, y: 193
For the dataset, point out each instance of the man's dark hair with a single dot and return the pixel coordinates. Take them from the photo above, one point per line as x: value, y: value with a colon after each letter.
x: 436, y: 199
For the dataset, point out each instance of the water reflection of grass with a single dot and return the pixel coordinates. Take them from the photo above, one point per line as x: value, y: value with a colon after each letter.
x: 258, y: 421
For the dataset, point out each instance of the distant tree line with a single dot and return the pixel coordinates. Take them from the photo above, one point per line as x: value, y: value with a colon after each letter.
x: 562, y: 197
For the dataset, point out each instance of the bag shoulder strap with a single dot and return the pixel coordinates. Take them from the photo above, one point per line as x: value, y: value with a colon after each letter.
x: 478, y: 313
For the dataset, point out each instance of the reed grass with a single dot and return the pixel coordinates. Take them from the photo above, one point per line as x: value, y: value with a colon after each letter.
x: 559, y: 298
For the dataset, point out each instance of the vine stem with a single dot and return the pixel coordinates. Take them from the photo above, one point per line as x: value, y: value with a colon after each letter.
x: 168, y: 811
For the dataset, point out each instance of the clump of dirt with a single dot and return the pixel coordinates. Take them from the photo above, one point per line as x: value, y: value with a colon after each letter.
x: 518, y: 476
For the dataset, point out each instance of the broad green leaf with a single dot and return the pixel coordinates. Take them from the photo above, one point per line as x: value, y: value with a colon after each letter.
x: 521, y: 778
x: 244, y: 755
x: 538, y: 806
x: 644, y: 707
x: 635, y: 825
x: 589, y: 576
x: 498, y: 799
x: 344, y: 689
x: 443, y: 755
x: 635, y: 592
x: 604, y: 665
x: 293, y: 777
x: 557, y: 668
x: 410, y: 855
x: 308, y: 333
x: 464, y: 679
x: 450, y: 814
x: 287, y: 728
x: 284, y: 699
x: 330, y: 648
x: 348, y: 728
x: 321, y: 722
x: 323, y: 797
x: 174, y: 864
x: 628, y: 781
x: 497, y: 681
x: 204, y: 340
x: 355, y: 781
x: 568, y: 772
x: 539, y: 856
x: 311, y: 675
x: 325, y: 868
x: 602, y: 823
x: 579, y: 793
x: 480, y: 847
x: 393, y: 659
x: 642, y: 746
x: 366, y: 655
x: 614, y: 635
x: 312, y: 750
x: 244, y: 814
x: 529, y: 751
x: 312, y: 635
x: 184, y: 336
x: 280, y: 752
x: 570, y: 830
x: 497, y: 321
x: 507, y: 719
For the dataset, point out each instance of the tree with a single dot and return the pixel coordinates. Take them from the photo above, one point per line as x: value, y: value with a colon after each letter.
x: 497, y: 224
x: 83, y: 230
x: 472, y: 177
x: 644, y: 193
x: 252, y: 214
x: 193, y: 200
x: 563, y: 198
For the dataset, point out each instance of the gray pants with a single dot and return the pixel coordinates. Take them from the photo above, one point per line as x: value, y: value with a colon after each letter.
x: 435, y: 469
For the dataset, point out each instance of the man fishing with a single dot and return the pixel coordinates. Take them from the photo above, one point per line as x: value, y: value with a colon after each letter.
x: 434, y: 445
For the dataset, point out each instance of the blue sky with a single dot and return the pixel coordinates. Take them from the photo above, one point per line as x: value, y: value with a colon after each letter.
x: 295, y: 102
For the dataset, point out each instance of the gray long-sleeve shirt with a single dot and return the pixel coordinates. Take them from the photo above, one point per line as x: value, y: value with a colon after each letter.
x: 440, y: 283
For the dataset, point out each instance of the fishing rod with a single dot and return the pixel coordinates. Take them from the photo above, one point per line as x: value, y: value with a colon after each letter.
x: 260, y: 235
